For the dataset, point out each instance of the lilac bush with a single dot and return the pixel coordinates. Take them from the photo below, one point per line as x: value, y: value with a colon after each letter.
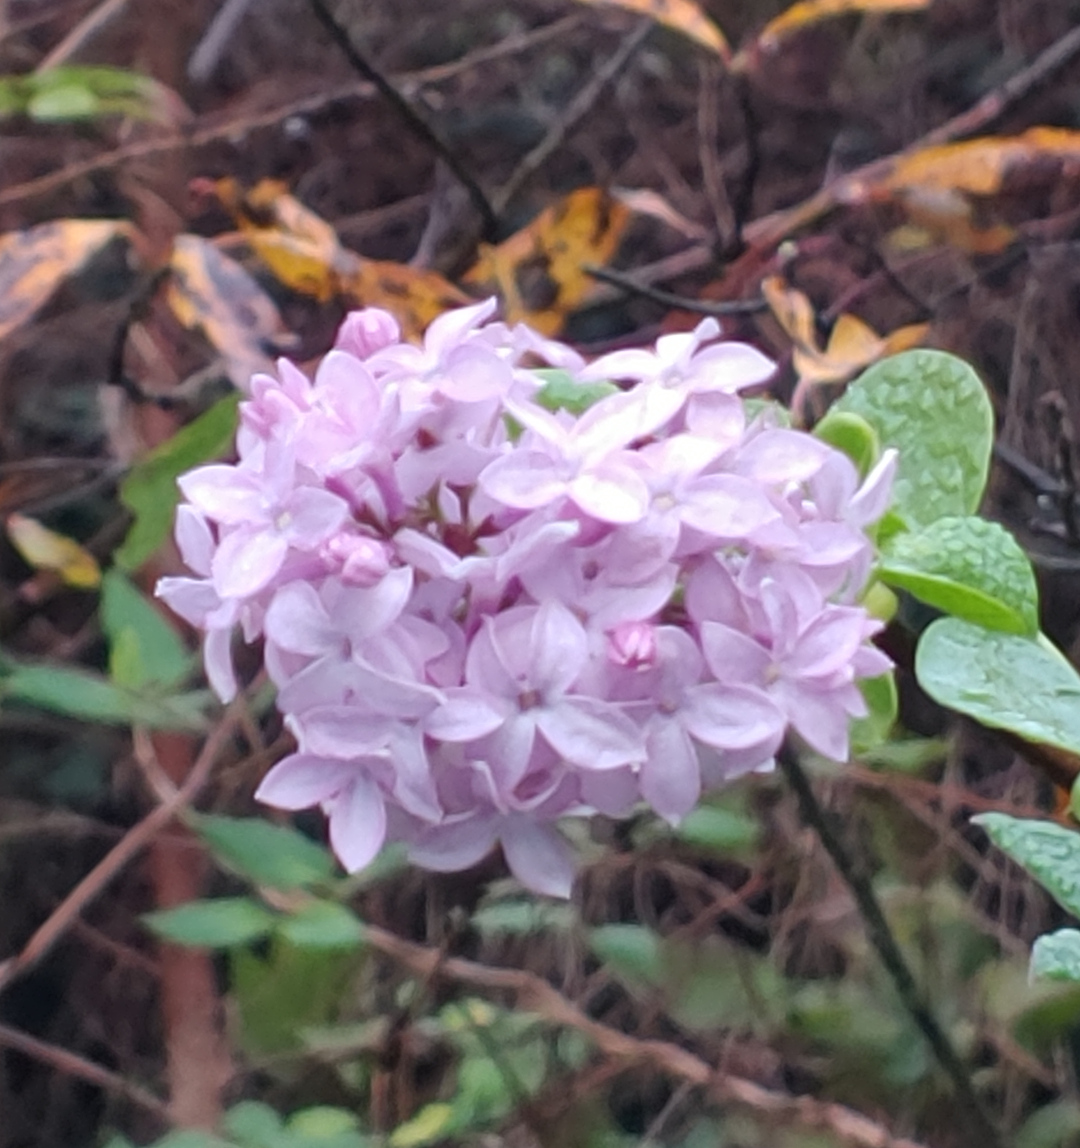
x: 483, y: 615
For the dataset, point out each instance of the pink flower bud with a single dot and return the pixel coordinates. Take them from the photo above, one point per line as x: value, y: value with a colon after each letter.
x: 632, y: 644
x: 359, y: 560
x: 365, y: 332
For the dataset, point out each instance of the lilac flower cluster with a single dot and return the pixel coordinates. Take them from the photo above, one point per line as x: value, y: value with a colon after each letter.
x: 482, y: 615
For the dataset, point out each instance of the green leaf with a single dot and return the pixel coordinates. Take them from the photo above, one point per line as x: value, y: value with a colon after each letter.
x: 853, y: 435
x: 145, y: 646
x: 719, y: 830
x: 562, y: 392
x: 428, y: 1126
x: 1005, y: 681
x: 275, y: 855
x: 90, y: 697
x: 632, y: 952
x: 933, y: 408
x: 322, y: 925
x: 883, y: 704
x: 252, y: 1124
x: 1056, y: 956
x: 149, y: 491
x: 216, y: 924
x: 61, y: 101
x: 1049, y: 852
x: 968, y: 567
x: 519, y: 918
x: 285, y: 991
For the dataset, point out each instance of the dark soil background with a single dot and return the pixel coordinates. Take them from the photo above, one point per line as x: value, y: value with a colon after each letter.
x: 269, y: 95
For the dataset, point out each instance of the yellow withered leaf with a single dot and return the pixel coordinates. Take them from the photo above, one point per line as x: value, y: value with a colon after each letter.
x: 44, y: 549
x: 303, y: 251
x: 682, y: 15
x: 209, y: 292
x: 540, y: 270
x: 977, y: 166
x: 413, y: 295
x: 34, y: 262
x: 298, y: 246
x: 853, y: 345
x: 807, y: 12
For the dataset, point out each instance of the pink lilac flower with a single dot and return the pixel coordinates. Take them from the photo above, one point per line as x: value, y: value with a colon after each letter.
x: 483, y: 616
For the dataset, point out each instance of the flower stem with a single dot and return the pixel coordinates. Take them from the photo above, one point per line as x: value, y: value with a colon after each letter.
x: 984, y: 1130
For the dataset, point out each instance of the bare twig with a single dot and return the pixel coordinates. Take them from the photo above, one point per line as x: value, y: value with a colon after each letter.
x: 881, y: 937
x: 128, y: 847
x: 237, y: 126
x: 712, y: 171
x: 775, y: 227
x: 71, y: 1064
x: 535, y: 994
x: 576, y: 110
x: 412, y: 119
x: 85, y: 30
x: 631, y: 286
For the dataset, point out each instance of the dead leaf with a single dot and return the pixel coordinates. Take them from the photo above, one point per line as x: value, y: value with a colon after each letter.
x: 303, y: 251
x: 853, y: 345
x: 540, y: 270
x: 44, y: 549
x: 807, y: 12
x: 209, y: 292
x: 682, y: 15
x: 34, y: 262
x: 413, y: 295
x: 977, y: 166
x: 947, y: 216
x: 299, y: 247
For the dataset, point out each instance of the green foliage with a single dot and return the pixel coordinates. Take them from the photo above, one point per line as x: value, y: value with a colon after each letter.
x: 149, y: 491
x: 90, y: 697
x: 968, y: 567
x: 562, y: 392
x: 851, y: 433
x: 218, y: 924
x: 882, y: 703
x: 85, y: 93
x: 1056, y: 956
x: 145, y: 649
x: 933, y: 408
x: 267, y: 854
x: 322, y: 925
x: 1049, y: 852
x: 1006, y: 681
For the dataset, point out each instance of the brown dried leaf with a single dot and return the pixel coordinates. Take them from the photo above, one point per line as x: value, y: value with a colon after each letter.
x: 34, y: 262
x: 413, y: 295
x: 540, y: 270
x: 682, y: 15
x: 209, y: 292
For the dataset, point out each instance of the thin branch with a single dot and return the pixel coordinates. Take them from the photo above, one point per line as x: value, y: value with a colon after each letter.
x: 888, y: 951
x: 577, y: 109
x: 71, y: 1064
x: 238, y: 126
x: 772, y: 229
x: 631, y: 286
x: 535, y: 994
x: 129, y: 846
x: 412, y: 119
x: 85, y: 30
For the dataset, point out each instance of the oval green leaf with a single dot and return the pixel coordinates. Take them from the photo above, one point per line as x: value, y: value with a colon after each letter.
x: 1005, y: 681
x: 267, y: 854
x: 1056, y: 956
x: 1049, y: 852
x: 322, y: 925
x: 217, y: 924
x: 934, y: 409
x: 968, y: 567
